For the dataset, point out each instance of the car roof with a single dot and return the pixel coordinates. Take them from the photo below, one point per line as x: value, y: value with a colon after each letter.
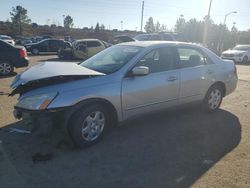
x: 83, y: 40
x: 243, y: 45
x: 156, y: 43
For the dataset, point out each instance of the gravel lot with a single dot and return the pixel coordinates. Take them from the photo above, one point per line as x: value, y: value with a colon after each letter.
x: 177, y: 148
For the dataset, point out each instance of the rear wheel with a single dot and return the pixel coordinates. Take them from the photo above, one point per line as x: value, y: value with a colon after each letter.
x: 35, y: 51
x: 6, y: 68
x: 87, y: 125
x: 213, y: 98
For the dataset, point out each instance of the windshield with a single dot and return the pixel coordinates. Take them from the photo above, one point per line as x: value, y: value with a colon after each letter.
x: 5, y: 38
x: 111, y: 59
x: 243, y: 48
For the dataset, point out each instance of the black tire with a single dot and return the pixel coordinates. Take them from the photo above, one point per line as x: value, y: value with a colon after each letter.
x: 59, y: 54
x: 6, y: 68
x: 245, y: 59
x: 213, y: 99
x: 35, y: 51
x: 82, y: 125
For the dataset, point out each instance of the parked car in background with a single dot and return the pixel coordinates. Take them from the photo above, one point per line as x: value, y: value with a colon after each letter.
x: 23, y: 41
x: 7, y: 39
x: 123, y: 81
x: 239, y: 54
x: 47, y: 45
x: 11, y: 57
x: 122, y: 38
x: 164, y: 36
x: 81, y: 49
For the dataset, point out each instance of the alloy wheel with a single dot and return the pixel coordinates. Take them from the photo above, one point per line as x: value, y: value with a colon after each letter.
x: 93, y: 126
x: 214, y: 99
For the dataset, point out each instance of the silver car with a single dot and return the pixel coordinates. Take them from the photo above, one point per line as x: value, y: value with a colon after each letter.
x: 123, y: 81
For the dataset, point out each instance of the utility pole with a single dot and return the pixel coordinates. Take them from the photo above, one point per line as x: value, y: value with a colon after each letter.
x: 221, y: 41
x: 142, y: 11
x: 206, y: 23
x: 121, y: 25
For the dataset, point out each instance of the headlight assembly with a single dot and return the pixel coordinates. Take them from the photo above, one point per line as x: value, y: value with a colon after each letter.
x: 37, y: 102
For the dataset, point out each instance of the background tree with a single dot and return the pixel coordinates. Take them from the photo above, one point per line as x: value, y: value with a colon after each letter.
x: 68, y: 22
x: 150, y: 27
x: 19, y: 19
x: 102, y: 27
x: 97, y: 27
x: 180, y: 24
x: 157, y: 27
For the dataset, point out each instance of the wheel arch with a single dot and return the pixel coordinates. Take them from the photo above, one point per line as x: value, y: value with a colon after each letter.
x: 107, y: 104
x: 221, y: 84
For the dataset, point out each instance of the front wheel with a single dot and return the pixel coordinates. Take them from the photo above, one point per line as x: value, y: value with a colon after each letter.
x: 35, y: 51
x: 245, y: 59
x: 87, y: 125
x: 213, y: 99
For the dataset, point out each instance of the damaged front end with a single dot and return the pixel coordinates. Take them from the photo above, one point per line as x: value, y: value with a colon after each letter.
x: 35, y: 93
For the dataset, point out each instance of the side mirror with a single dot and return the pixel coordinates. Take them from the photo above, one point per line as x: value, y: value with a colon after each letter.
x: 140, y: 71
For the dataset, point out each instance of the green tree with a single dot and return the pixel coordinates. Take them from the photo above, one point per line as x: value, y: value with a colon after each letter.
x: 19, y: 19
x: 150, y: 27
x: 180, y: 24
x: 157, y: 27
x: 102, y: 27
x: 97, y: 27
x: 68, y: 22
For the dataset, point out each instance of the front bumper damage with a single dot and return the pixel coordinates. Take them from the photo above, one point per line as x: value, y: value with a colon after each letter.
x: 42, y: 122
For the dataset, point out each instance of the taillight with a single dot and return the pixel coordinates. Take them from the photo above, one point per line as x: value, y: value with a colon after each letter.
x: 22, y: 53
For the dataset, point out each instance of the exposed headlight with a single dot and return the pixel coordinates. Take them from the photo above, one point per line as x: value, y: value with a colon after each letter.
x: 240, y: 55
x: 37, y: 102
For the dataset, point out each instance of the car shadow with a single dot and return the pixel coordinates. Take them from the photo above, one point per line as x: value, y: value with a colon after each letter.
x: 168, y: 149
x: 8, y: 76
x: 246, y: 64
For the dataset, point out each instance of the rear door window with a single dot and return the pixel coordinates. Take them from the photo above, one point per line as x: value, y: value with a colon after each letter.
x: 190, y: 57
x: 92, y: 44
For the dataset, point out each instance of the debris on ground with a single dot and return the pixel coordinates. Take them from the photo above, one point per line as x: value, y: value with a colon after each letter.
x: 11, y: 130
x: 208, y: 162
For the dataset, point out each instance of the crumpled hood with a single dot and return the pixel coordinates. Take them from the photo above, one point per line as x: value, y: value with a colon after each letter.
x: 46, y: 70
x: 233, y: 52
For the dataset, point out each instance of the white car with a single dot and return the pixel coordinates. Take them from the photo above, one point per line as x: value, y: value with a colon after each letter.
x: 7, y: 39
x: 239, y: 54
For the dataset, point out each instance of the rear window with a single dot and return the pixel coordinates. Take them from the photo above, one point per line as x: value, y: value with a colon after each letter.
x: 5, y: 45
x: 93, y: 44
x: 142, y: 37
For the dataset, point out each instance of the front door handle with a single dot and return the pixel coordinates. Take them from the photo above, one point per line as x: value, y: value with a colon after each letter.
x: 172, y: 78
x: 210, y: 72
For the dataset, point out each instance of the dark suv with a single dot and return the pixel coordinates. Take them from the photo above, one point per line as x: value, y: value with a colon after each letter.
x: 47, y: 45
x: 165, y: 36
x: 10, y: 57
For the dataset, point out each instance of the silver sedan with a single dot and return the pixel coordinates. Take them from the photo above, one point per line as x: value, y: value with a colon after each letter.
x: 121, y: 82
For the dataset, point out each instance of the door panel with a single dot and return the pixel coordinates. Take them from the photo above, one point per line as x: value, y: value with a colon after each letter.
x: 155, y: 91
x: 80, y: 50
x: 194, y: 75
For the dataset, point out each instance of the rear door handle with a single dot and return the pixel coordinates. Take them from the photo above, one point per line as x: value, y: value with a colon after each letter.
x: 172, y: 78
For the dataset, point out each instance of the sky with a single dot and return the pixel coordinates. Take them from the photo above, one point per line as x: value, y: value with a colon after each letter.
x: 126, y: 14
